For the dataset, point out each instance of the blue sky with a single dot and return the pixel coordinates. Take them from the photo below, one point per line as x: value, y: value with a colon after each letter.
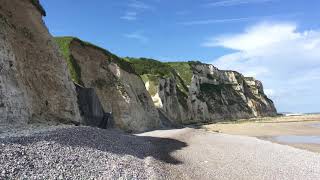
x: 276, y: 41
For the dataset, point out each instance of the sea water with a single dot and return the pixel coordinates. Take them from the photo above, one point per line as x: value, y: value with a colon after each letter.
x: 298, y: 139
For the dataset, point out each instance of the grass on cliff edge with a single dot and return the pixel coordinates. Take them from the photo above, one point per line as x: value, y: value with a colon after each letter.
x: 184, y: 70
x: 150, y: 66
x: 74, y: 68
x: 151, y: 70
x: 162, y: 69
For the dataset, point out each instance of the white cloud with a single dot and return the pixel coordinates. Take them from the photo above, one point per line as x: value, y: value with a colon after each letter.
x: 137, y: 36
x: 256, y: 37
x: 139, y: 5
x: 285, y: 59
x: 130, y: 16
x: 214, y: 21
x: 230, y: 20
x: 236, y: 2
x: 136, y: 7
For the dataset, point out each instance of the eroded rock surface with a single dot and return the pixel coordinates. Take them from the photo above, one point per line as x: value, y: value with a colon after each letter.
x: 34, y: 81
x: 215, y: 94
x: 192, y: 92
x: 120, y: 90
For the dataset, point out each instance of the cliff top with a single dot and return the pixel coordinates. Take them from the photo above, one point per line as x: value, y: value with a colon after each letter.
x: 145, y: 66
x: 183, y: 69
x: 149, y: 69
x: 151, y: 66
x: 37, y: 4
x: 64, y: 44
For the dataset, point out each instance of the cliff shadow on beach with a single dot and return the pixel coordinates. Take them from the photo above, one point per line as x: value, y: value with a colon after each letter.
x: 112, y: 141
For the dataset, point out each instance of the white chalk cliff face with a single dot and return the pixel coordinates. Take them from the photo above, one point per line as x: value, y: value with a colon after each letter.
x: 34, y: 82
x: 174, y: 103
x: 120, y: 90
x: 216, y: 95
x: 210, y: 95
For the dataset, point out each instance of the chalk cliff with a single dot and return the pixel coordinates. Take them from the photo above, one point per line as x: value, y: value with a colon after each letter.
x: 34, y: 82
x: 37, y: 82
x: 192, y: 92
x: 120, y: 90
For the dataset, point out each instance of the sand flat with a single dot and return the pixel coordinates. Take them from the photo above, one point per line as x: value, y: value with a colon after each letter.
x: 222, y: 156
x: 270, y: 128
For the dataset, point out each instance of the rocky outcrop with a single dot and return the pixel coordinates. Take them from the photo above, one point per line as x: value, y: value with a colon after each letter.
x: 34, y: 81
x: 168, y: 91
x: 120, y: 90
x: 173, y: 101
x: 216, y: 95
x: 192, y: 92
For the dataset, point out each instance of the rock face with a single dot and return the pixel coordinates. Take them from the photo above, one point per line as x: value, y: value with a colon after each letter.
x: 120, y: 90
x: 216, y: 94
x: 90, y: 107
x: 192, y: 92
x: 34, y: 81
x: 173, y: 101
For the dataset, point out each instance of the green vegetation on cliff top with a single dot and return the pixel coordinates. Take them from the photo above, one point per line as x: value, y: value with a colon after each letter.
x: 151, y: 70
x: 74, y: 68
x: 150, y: 66
x: 148, y: 69
x: 153, y: 67
x: 184, y: 70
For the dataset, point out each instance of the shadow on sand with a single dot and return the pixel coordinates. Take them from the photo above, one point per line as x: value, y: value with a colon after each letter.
x: 112, y: 141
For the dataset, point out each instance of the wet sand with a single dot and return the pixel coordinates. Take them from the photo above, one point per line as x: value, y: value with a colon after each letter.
x: 270, y: 128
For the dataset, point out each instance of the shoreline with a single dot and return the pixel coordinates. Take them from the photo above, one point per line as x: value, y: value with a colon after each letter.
x: 270, y: 128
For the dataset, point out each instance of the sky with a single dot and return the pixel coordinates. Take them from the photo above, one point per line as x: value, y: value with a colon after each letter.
x: 275, y: 41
